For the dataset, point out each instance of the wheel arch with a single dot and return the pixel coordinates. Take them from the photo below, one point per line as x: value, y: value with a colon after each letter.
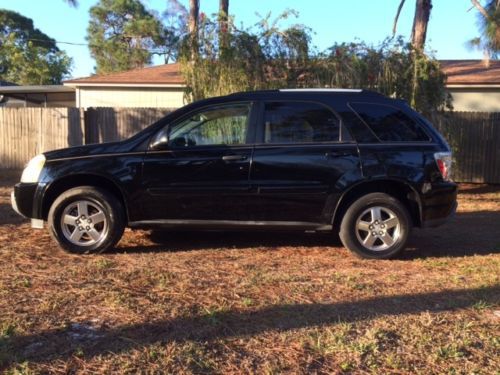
x: 398, y: 189
x: 59, y: 186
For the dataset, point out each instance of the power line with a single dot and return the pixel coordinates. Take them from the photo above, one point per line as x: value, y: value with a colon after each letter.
x: 86, y: 45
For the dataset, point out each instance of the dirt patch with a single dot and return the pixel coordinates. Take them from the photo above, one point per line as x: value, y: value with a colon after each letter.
x: 184, y: 302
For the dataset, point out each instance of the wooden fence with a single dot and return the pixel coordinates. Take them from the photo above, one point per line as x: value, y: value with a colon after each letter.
x: 475, y: 140
x: 114, y: 124
x: 25, y: 132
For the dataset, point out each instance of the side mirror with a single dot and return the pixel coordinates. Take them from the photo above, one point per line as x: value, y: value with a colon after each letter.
x: 160, y: 143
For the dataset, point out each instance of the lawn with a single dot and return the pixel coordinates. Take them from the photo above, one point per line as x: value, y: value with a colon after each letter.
x: 266, y: 303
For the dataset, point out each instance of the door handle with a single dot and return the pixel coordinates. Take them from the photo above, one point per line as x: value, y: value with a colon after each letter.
x: 336, y: 154
x: 234, y: 157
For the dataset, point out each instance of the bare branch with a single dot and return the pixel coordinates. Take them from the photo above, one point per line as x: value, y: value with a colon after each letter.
x: 394, y: 27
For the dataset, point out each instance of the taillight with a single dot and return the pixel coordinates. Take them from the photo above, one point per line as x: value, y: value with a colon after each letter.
x: 443, y: 161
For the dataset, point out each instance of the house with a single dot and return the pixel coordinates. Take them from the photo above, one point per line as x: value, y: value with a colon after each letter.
x: 160, y: 86
x: 474, y: 85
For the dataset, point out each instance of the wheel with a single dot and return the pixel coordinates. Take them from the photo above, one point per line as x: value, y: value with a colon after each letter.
x: 86, y: 220
x: 376, y: 226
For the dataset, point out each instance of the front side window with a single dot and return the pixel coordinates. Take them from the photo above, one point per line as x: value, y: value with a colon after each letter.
x: 220, y: 125
x: 388, y: 123
x: 299, y: 122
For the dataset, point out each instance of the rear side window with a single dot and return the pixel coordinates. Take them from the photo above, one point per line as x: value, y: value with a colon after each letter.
x: 389, y: 123
x: 299, y: 122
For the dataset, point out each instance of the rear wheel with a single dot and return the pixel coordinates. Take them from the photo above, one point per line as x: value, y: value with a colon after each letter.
x: 86, y: 220
x: 375, y: 226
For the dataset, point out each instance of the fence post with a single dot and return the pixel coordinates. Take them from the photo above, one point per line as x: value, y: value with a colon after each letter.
x: 82, y: 125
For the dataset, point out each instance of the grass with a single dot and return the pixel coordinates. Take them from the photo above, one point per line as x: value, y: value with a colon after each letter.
x: 253, y: 302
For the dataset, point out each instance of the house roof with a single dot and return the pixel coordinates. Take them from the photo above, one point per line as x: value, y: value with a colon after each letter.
x: 471, y: 72
x: 167, y: 74
x: 459, y: 72
x: 35, y: 89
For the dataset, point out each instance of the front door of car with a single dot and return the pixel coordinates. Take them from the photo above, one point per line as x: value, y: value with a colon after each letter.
x: 300, y: 162
x: 197, y: 167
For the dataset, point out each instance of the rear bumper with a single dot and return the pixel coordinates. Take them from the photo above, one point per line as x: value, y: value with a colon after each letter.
x: 439, y: 204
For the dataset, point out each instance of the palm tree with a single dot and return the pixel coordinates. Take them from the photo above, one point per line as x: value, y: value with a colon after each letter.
x: 73, y: 3
x: 489, y: 25
x: 194, y: 14
x: 420, y: 22
x: 223, y: 24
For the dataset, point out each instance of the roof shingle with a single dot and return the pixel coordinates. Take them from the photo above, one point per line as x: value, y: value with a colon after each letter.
x: 462, y: 72
x: 471, y: 72
x: 167, y: 74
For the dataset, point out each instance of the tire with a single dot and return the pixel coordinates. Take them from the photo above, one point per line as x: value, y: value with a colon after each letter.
x: 387, y: 225
x: 86, y: 220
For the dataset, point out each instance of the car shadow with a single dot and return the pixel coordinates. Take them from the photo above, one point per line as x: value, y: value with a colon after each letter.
x: 478, y: 189
x: 467, y: 234
x: 9, y: 216
x: 189, y: 240
x: 61, y: 344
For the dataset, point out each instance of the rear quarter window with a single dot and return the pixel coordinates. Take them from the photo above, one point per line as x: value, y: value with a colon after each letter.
x: 389, y: 123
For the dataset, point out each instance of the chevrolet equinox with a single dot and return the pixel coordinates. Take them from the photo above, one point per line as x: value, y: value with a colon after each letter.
x: 352, y: 162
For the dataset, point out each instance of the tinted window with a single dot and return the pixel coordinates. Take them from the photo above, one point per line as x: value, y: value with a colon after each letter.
x: 389, y: 123
x: 299, y: 122
x: 221, y: 125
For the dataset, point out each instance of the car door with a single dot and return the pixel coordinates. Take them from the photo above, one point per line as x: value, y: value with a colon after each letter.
x: 299, y: 163
x: 197, y: 168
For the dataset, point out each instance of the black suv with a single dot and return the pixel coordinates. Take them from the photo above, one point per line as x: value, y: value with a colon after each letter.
x: 349, y: 161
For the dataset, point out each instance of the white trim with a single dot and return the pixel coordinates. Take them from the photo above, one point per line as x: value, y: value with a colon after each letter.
x: 134, y: 85
x: 320, y: 90
x: 462, y: 86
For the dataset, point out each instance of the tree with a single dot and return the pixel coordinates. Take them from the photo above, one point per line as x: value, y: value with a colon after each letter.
x: 194, y: 15
x: 122, y: 35
x: 73, y: 3
x: 489, y: 25
x: 223, y: 25
x: 27, y: 55
x: 175, y: 19
x: 420, y: 22
x: 269, y: 57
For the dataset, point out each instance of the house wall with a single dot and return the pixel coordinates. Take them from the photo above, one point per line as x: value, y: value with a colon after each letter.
x: 475, y: 99
x: 130, y: 97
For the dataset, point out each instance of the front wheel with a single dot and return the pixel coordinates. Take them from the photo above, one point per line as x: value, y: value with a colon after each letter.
x: 375, y: 226
x: 86, y: 220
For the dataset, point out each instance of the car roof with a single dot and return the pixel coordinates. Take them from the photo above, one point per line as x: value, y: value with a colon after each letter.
x: 323, y: 95
x: 304, y: 92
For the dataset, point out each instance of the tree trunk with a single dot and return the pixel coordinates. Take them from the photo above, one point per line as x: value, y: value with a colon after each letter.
x: 223, y: 25
x: 194, y: 13
x: 420, y: 21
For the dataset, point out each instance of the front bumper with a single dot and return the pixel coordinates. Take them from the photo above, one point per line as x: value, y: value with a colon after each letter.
x: 439, y: 204
x: 23, y: 199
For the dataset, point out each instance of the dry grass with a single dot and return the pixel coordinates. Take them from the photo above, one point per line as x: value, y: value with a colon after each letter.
x: 253, y: 303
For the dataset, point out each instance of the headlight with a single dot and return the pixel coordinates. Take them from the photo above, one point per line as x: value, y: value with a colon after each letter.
x: 33, y: 169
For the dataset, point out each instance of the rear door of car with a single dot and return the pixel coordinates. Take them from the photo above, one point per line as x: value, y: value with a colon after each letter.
x: 300, y: 162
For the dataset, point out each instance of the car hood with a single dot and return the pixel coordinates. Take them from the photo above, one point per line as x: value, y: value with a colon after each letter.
x: 129, y: 145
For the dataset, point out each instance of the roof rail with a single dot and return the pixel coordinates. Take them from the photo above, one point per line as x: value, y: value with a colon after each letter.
x: 320, y: 90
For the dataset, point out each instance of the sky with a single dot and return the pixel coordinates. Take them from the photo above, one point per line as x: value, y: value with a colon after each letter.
x: 452, y: 22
